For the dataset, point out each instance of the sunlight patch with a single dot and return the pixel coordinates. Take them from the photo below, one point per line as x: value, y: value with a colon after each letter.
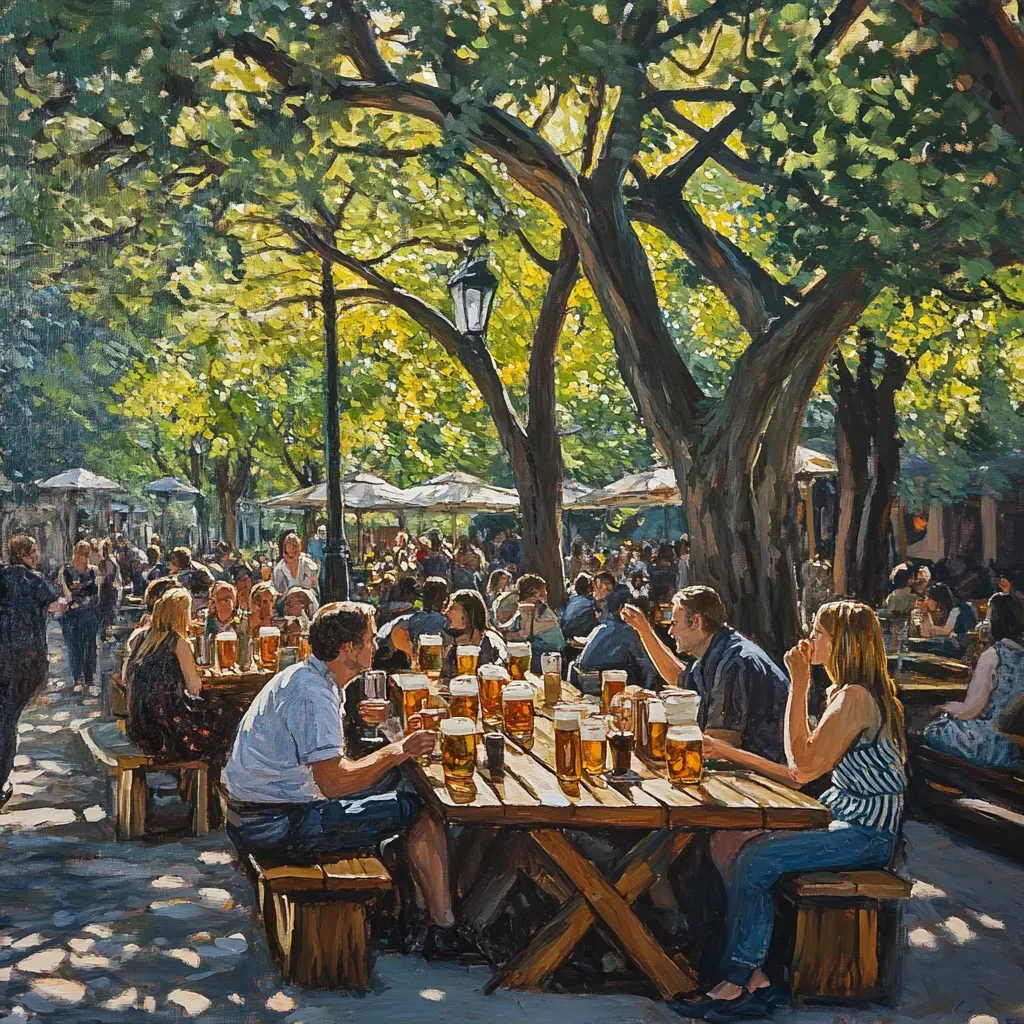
x: 921, y: 938
x: 958, y: 930
x: 433, y: 995
x: 281, y: 1003
x: 926, y: 891
x: 191, y: 1002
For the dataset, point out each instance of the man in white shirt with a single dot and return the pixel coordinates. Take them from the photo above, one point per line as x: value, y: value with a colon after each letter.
x: 293, y: 791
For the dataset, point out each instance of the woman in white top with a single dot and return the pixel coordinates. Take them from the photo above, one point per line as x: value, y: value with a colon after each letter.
x: 295, y: 569
x: 967, y: 728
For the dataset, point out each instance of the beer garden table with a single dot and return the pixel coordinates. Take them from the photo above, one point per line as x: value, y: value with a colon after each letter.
x: 533, y: 809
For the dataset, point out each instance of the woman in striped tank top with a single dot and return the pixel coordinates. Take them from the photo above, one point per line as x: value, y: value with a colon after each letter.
x: 860, y: 739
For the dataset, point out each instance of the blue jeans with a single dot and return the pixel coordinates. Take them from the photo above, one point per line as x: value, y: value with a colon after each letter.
x: 765, y: 859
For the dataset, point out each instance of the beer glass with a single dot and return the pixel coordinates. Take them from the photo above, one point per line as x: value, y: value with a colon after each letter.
x: 621, y: 745
x: 467, y: 657
x: 430, y: 655
x: 431, y: 719
x: 464, y: 699
x: 551, y: 666
x: 613, y: 681
x: 527, y: 617
x: 517, y: 707
x: 520, y: 655
x: 458, y: 752
x: 270, y: 648
x: 227, y: 650
x: 568, y: 752
x: 684, y: 754
x: 304, y: 649
x: 493, y: 679
x: 375, y: 703
x: 415, y: 690
x: 594, y: 744
x: 657, y: 726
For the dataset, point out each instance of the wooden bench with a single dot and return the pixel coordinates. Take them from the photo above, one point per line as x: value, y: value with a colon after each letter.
x: 847, y: 935
x: 108, y: 744
x: 315, y: 918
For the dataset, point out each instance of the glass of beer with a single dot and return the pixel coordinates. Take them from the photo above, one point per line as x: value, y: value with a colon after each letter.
x: 493, y: 679
x: 375, y: 704
x: 520, y: 656
x: 517, y: 708
x: 594, y: 744
x: 270, y: 648
x: 430, y: 655
x: 304, y: 649
x: 657, y: 726
x: 621, y: 745
x: 551, y: 666
x: 415, y: 690
x: 684, y: 742
x: 431, y: 719
x: 568, y: 752
x: 467, y: 657
x: 227, y: 650
x: 464, y: 699
x: 613, y: 681
x: 458, y: 753
x: 527, y: 616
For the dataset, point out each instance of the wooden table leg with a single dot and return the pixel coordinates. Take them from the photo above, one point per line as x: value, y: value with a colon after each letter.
x: 635, y: 874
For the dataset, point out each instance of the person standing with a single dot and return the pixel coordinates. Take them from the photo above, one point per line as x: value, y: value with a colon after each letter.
x: 25, y: 598
x: 81, y: 620
x: 295, y: 568
x: 108, y: 573
x: 316, y: 548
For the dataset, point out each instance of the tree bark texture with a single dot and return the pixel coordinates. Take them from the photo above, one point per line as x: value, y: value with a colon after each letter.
x: 230, y: 488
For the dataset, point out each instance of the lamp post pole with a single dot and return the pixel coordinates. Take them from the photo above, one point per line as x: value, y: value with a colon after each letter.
x: 336, y: 575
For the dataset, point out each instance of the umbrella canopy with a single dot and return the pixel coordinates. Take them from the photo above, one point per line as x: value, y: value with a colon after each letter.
x: 572, y: 491
x: 171, y: 487
x: 808, y: 463
x: 78, y: 480
x: 460, y: 492
x: 651, y: 487
x: 361, y: 492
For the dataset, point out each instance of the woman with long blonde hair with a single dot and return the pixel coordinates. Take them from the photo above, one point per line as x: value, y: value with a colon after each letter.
x: 166, y: 714
x: 860, y: 739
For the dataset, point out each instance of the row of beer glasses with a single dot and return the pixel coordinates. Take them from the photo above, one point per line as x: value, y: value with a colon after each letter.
x: 265, y: 653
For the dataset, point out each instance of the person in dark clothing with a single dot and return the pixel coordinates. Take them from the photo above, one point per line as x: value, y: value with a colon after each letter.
x: 438, y: 562
x: 81, y: 621
x: 579, y: 616
x: 25, y: 598
x: 511, y: 554
x: 167, y: 716
x: 468, y: 626
x: 156, y: 568
x: 662, y: 576
x: 616, y: 644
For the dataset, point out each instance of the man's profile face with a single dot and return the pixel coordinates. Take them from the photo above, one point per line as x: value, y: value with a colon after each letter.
x: 601, y: 590
x: 687, y: 629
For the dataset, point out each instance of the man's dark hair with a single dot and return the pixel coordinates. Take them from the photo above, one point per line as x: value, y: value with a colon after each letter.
x: 617, y: 600
x: 404, y: 589
x: 529, y: 585
x: 901, y: 576
x: 583, y: 584
x: 435, y: 542
x: 238, y: 571
x: 706, y: 603
x: 1006, y: 617
x: 605, y: 577
x: 19, y: 547
x: 181, y: 558
x: 152, y: 555
x: 339, y: 623
x: 157, y: 589
x: 435, y: 591
x: 942, y: 596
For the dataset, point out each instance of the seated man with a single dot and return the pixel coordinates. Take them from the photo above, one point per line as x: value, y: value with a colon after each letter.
x: 293, y: 792
x: 579, y: 616
x: 614, y: 644
x: 544, y: 634
x: 743, y: 692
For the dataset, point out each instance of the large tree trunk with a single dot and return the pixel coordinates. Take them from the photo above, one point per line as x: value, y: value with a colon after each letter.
x: 230, y: 488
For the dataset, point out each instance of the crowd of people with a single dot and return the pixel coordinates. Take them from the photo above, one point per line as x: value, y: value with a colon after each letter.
x: 297, y: 783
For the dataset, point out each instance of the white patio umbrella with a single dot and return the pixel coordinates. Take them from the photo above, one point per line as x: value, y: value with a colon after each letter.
x: 637, y: 490
x: 361, y: 492
x: 166, y: 490
x: 69, y: 485
x: 457, y: 493
x: 810, y: 463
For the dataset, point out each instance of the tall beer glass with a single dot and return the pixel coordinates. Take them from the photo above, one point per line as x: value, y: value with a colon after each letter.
x: 517, y: 707
x: 568, y: 753
x: 621, y: 744
x: 520, y: 655
x: 458, y: 752
x: 270, y: 648
x: 227, y: 650
x: 594, y: 744
x: 467, y: 657
x: 464, y: 701
x: 493, y: 679
x: 415, y: 690
x: 431, y: 652
x: 551, y: 666
x: 613, y: 681
x: 657, y: 726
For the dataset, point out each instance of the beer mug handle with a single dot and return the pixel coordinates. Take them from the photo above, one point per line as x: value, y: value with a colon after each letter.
x: 415, y: 723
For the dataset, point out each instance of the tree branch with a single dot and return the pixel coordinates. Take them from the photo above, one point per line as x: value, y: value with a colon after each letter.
x: 843, y: 17
x: 702, y: 66
x: 548, y: 112
x: 593, y: 123
x: 676, y: 175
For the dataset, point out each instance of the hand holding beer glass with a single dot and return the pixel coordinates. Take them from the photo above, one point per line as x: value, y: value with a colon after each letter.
x: 373, y: 708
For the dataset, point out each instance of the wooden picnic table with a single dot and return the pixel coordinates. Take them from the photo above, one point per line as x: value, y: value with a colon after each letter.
x: 531, y: 810
x: 933, y: 665
x: 238, y: 687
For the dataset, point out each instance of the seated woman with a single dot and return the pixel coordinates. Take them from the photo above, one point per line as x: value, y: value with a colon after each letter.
x: 167, y: 717
x: 299, y: 602
x: 947, y: 622
x: 262, y: 599
x: 967, y: 729
x: 222, y: 609
x: 860, y: 739
x: 468, y: 627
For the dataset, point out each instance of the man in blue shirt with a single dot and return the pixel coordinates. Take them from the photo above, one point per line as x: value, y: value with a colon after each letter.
x: 579, y: 616
x: 293, y: 790
x: 743, y: 692
x: 616, y: 644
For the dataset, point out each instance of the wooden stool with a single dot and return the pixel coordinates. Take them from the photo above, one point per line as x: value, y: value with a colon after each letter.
x: 107, y: 742
x: 315, y: 919
x: 848, y: 935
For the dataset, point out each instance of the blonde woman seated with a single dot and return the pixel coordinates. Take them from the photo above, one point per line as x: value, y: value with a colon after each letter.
x: 262, y: 599
x: 167, y: 716
x: 860, y: 739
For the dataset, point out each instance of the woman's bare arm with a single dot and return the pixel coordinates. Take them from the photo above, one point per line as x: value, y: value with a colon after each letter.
x: 193, y: 682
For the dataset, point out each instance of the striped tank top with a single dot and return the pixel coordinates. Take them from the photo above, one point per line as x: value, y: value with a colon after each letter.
x: 867, y: 785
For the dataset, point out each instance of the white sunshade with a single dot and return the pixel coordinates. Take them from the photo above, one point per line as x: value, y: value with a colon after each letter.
x: 362, y: 492
x: 460, y: 492
x: 78, y: 480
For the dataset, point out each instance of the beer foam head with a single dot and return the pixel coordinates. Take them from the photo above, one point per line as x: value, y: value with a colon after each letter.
x: 430, y: 640
x: 466, y: 650
x: 492, y: 672
x: 593, y: 728
x: 614, y: 675
x: 682, y: 709
x: 656, y: 711
x: 269, y: 631
x: 227, y: 635
x: 464, y: 686
x: 458, y: 726
x: 518, y: 649
x: 412, y: 681
x: 566, y: 717
x: 519, y: 690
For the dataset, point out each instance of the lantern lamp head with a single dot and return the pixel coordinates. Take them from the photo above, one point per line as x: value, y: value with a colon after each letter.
x: 472, y: 288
